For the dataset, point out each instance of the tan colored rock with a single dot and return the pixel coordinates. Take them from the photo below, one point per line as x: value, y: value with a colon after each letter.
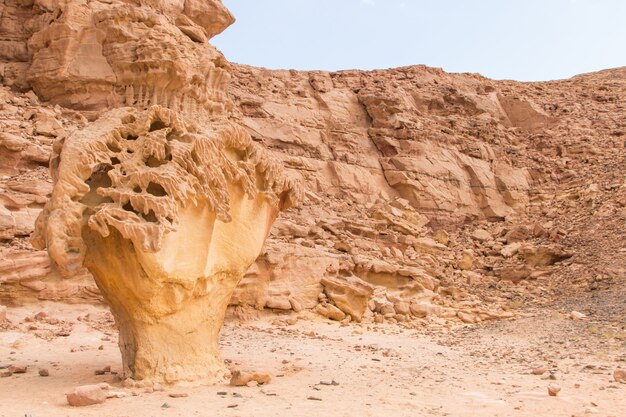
x: 86, y: 395
x: 510, y: 250
x: 47, y: 125
x: 481, y: 235
x: 329, y: 311
x: 466, y: 262
x: 467, y: 317
x: 619, y: 375
x: 428, y: 245
x: 442, y: 237
x: 544, y: 255
x: 423, y: 309
x: 553, y: 390
x: 241, y: 378
x: 402, y: 307
x: 146, y: 194
x: 3, y: 314
x: 88, y: 57
x: 577, y: 315
x: 285, y: 271
x: 18, y: 154
x: 350, y: 294
x: 167, y: 205
x: 514, y: 273
x: 517, y: 234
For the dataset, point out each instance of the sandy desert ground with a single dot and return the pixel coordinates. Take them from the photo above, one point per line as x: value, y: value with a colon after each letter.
x: 324, y: 368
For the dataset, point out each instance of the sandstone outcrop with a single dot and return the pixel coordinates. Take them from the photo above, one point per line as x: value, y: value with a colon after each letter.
x: 167, y: 216
x: 163, y: 199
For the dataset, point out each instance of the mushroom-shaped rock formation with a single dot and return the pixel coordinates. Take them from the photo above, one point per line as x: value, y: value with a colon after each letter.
x: 167, y: 215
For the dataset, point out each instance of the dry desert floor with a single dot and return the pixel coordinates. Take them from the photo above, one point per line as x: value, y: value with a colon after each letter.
x: 321, y: 368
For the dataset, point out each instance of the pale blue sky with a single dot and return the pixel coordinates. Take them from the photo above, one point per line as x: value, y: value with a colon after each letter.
x: 524, y: 40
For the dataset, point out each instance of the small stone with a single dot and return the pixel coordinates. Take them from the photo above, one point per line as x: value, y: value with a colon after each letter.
x: 402, y: 307
x: 252, y: 384
x: 222, y: 393
x: 18, y: 369
x: 178, y: 395
x: 466, y: 262
x: 553, y: 390
x: 442, y: 237
x: 619, y: 375
x: 44, y: 372
x: 466, y: 317
x: 481, y: 235
x: 539, y: 371
x: 5, y: 373
x: 86, y: 395
x: 47, y: 125
x: 239, y: 378
x: 576, y: 315
x: 101, y: 347
x: 233, y: 405
x: 99, y: 372
x: 166, y: 405
x: 106, y: 369
x: 312, y: 398
x: 510, y: 249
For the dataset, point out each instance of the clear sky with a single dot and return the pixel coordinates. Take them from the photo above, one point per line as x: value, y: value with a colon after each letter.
x: 526, y: 40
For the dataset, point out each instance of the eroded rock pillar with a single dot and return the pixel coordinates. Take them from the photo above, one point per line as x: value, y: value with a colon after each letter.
x: 167, y: 216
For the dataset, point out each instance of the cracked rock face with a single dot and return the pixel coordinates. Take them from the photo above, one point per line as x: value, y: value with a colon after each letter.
x: 164, y: 200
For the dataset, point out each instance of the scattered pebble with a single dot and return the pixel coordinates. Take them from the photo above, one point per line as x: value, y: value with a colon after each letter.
x: 553, y: 390
x: 18, y: 369
x: 333, y: 382
x: 44, y: 372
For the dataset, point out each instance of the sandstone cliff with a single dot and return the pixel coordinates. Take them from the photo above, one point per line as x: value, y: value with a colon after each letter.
x: 428, y: 195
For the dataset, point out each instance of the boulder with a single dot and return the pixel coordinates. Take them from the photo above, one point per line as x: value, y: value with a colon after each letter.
x: 350, y: 294
x: 86, y: 395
